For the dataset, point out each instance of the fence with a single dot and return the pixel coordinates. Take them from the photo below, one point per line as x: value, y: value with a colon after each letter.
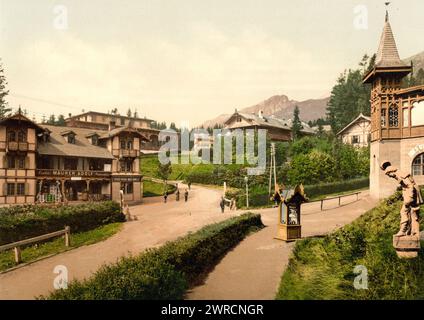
x: 16, y: 245
x: 338, y: 197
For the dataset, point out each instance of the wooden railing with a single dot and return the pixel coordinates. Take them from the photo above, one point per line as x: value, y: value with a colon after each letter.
x: 15, y: 146
x: 337, y: 197
x: 16, y: 245
x: 129, y: 153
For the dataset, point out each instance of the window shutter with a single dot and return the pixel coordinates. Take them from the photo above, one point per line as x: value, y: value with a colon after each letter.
x: 26, y: 189
x: 5, y: 189
x: 27, y: 163
x: 5, y: 162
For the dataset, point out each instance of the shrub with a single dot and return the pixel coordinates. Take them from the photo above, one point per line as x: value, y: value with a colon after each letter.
x: 335, y: 187
x: 22, y: 222
x: 165, y: 272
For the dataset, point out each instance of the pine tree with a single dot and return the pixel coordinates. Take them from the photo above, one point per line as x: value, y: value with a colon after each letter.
x: 60, y: 121
x: 349, y: 96
x: 296, y: 124
x: 4, y: 109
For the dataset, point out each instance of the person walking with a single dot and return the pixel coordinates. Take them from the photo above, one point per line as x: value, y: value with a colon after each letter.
x: 177, y: 195
x: 189, y: 186
x: 165, y: 196
x: 186, y: 195
x: 222, y: 204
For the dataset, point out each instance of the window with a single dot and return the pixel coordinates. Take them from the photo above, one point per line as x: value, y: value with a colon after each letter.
x: 22, y: 136
x: 405, y: 116
x: 21, y: 162
x: 383, y: 117
x: 355, y: 139
x: 127, y: 187
x: 125, y: 165
x: 70, y: 164
x: 20, y: 189
x: 417, y: 165
x: 10, y: 189
x: 393, y: 116
x: 15, y: 162
x: 71, y: 138
x: 126, y: 144
x: 11, y: 136
x: 122, y: 120
x: 95, y: 140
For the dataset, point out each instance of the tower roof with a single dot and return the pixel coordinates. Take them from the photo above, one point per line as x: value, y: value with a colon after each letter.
x: 387, y: 60
x: 387, y: 54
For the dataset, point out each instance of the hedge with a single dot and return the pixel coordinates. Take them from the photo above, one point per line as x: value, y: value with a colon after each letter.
x: 163, y: 273
x: 258, y: 195
x: 23, y: 222
x: 336, y: 187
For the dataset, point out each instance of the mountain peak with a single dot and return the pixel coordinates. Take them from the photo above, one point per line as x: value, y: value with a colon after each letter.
x: 281, y: 106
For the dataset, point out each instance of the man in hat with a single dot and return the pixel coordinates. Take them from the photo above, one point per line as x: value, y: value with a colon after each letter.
x: 412, y: 199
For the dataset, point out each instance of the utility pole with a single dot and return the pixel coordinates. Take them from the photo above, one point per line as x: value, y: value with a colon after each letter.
x: 246, y: 179
x: 272, y: 169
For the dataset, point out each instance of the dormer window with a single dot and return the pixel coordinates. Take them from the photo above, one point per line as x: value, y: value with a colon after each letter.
x: 95, y: 140
x: 69, y: 136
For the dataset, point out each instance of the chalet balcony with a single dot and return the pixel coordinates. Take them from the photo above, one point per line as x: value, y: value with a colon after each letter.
x: 128, y: 153
x: 17, y: 146
x: 75, y: 174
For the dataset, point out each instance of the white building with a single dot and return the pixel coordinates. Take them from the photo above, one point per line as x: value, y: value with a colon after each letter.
x: 357, y: 133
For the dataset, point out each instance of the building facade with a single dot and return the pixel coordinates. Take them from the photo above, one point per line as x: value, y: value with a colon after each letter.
x: 277, y: 129
x: 357, y: 133
x: 397, y: 118
x: 41, y: 163
x: 102, y: 121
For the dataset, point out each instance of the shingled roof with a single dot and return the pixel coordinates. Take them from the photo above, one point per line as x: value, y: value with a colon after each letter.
x: 387, y: 54
x: 272, y: 122
x: 58, y: 146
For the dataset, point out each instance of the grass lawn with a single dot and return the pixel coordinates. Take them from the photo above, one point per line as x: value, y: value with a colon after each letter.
x: 323, y: 268
x: 149, y: 164
x: 154, y: 189
x: 58, y: 245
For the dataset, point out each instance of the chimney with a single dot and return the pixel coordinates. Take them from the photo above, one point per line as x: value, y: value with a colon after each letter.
x: 112, y: 125
x: 261, y: 114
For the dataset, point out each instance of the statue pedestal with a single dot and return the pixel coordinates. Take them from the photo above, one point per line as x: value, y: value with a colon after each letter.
x: 407, y: 246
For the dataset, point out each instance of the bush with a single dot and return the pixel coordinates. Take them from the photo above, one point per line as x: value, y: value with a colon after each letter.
x: 323, y: 268
x: 165, y: 272
x: 23, y: 222
x: 336, y: 187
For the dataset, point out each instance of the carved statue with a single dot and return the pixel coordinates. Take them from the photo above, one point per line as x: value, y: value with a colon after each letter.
x: 412, y: 199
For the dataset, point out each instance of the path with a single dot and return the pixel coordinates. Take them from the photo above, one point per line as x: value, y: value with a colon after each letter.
x: 157, y: 223
x: 254, y: 268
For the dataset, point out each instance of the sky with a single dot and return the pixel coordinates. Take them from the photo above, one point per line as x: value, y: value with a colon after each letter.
x: 186, y: 61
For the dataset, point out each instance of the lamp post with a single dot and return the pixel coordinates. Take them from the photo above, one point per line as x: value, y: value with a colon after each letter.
x: 246, y: 179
